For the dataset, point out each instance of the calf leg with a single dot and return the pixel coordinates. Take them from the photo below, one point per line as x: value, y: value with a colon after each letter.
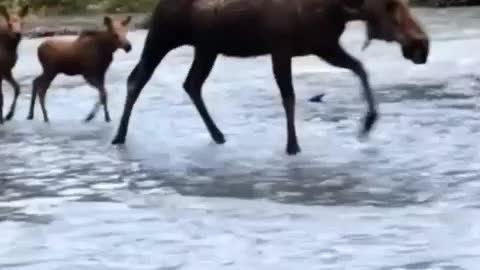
x: 40, y: 87
x: 339, y: 57
x: 33, y: 98
x: 201, y: 67
x: 16, y: 89
x: 102, y: 100
x: 282, y: 71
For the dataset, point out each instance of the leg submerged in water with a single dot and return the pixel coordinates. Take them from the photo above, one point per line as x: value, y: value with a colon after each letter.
x: 340, y: 58
x: 282, y: 70
x: 33, y: 99
x: 151, y: 57
x: 16, y: 89
x: 40, y: 87
x: 99, y: 84
x: 136, y: 81
x: 201, y: 67
x: 44, y: 84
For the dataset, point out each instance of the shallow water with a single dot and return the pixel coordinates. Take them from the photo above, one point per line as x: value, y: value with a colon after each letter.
x: 172, y: 199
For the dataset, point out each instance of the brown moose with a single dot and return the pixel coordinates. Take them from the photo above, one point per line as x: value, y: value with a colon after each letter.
x: 282, y: 29
x: 10, y: 37
x: 89, y: 55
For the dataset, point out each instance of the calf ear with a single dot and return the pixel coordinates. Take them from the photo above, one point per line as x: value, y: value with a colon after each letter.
x: 4, y: 12
x: 126, y: 21
x: 24, y: 11
x: 107, y: 21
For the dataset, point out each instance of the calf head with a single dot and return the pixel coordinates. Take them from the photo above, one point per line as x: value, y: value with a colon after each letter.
x: 392, y: 21
x: 14, y: 22
x: 119, y: 30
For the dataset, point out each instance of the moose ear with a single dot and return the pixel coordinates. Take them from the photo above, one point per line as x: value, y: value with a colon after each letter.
x: 126, y: 21
x: 24, y: 11
x: 107, y: 21
x: 4, y: 12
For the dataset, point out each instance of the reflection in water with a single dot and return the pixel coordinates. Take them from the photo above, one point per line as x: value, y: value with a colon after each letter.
x: 172, y: 199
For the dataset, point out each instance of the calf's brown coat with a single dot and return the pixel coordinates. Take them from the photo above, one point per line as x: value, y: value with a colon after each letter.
x: 89, y: 55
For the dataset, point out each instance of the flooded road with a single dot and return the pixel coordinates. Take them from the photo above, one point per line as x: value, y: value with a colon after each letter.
x: 171, y: 199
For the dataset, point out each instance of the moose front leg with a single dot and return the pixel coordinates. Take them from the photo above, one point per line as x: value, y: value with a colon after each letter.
x: 340, y: 58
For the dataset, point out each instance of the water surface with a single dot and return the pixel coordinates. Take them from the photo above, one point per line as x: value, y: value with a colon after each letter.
x: 172, y: 199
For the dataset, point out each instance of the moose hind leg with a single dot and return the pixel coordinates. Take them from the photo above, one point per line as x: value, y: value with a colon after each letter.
x: 16, y: 89
x: 33, y: 98
x: 43, y: 85
x: 40, y: 87
x: 104, y: 101
x: 202, y: 65
x: 282, y: 71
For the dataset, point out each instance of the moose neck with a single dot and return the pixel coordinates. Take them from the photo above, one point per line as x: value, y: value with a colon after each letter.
x: 105, y: 42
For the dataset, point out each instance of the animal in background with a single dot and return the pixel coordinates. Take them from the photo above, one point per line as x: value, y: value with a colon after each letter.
x: 282, y: 29
x: 89, y: 55
x: 10, y: 37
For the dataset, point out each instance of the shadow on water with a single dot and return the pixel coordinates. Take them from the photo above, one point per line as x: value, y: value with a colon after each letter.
x: 76, y: 163
x: 53, y: 160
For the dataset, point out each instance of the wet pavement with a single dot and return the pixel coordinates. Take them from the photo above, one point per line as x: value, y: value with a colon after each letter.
x: 170, y: 198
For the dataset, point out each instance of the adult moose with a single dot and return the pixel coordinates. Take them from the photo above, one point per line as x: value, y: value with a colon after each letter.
x: 280, y: 28
x: 89, y: 55
x: 10, y: 37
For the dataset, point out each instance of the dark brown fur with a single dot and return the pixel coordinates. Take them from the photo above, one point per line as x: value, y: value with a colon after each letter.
x: 280, y: 28
x: 89, y: 55
x: 10, y: 37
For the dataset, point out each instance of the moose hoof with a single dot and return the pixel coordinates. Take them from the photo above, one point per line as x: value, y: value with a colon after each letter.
x: 219, y: 138
x: 30, y: 117
x: 9, y: 117
x: 118, y: 141
x: 293, y: 150
x: 370, y: 120
x: 88, y: 119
